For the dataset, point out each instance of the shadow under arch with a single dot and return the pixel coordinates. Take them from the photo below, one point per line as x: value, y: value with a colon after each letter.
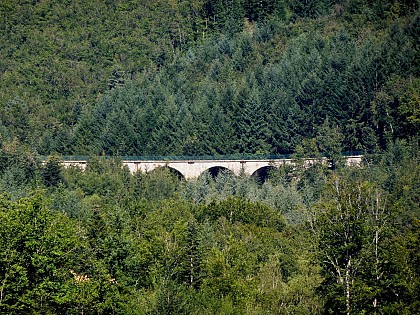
x: 263, y: 173
x: 169, y: 170
x: 216, y: 170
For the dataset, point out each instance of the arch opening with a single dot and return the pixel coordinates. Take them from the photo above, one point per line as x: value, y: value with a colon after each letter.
x: 217, y: 170
x: 264, y: 173
x: 175, y: 172
x: 169, y: 170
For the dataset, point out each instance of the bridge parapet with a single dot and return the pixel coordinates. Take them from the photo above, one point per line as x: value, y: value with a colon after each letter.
x: 232, y: 157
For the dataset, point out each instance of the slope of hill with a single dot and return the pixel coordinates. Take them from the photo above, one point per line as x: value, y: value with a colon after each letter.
x: 206, y: 77
x: 215, y: 77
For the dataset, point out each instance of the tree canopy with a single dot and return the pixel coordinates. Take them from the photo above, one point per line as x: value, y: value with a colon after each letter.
x: 309, y: 78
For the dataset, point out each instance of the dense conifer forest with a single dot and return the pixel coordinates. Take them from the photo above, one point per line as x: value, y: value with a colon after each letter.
x: 307, y: 78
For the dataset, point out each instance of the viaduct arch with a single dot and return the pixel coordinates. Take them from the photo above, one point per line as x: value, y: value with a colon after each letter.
x: 190, y: 169
x: 193, y: 169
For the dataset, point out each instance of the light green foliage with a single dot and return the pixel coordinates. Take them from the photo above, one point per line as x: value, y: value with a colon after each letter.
x: 40, y: 251
x: 361, y: 231
x: 348, y: 227
x: 112, y: 242
x: 198, y: 77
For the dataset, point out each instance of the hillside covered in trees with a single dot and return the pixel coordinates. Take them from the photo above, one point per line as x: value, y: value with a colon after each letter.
x: 207, y: 77
x: 308, y: 78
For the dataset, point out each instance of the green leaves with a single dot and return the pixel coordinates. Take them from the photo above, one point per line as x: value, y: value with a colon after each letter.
x: 38, y: 247
x: 212, y: 77
x: 51, y: 172
x: 239, y: 210
x: 357, y: 228
x: 264, y: 84
x: 112, y: 242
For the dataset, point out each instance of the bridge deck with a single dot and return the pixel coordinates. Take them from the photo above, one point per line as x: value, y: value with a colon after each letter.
x: 191, y: 168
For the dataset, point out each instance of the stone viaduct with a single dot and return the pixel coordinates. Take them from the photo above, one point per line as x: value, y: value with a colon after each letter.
x: 193, y: 168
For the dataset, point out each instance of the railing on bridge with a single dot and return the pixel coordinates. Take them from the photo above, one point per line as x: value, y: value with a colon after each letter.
x: 195, y: 157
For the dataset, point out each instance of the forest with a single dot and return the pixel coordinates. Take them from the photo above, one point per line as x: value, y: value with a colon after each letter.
x: 171, y: 78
